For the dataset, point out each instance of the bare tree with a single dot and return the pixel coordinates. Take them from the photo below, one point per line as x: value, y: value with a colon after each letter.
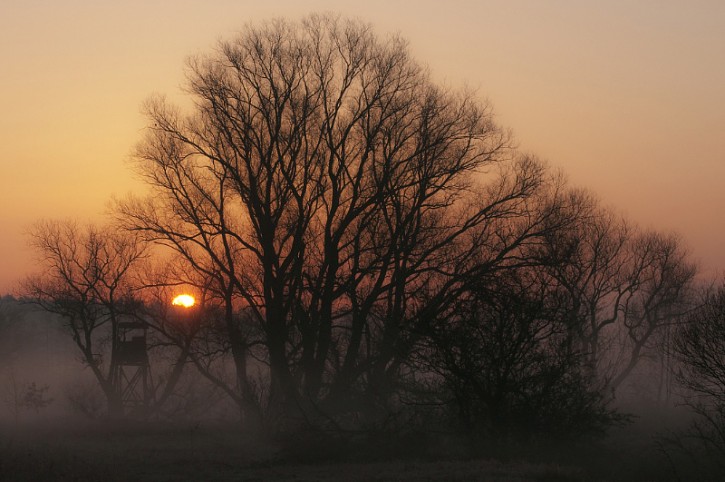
x: 200, y: 333
x: 589, y: 262
x: 84, y: 279
x: 700, y: 346
x: 505, y: 364
x: 622, y: 286
x: 662, y: 296
x: 329, y: 189
x: 700, y: 350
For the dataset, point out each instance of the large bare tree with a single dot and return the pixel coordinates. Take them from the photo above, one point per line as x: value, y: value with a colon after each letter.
x: 326, y: 186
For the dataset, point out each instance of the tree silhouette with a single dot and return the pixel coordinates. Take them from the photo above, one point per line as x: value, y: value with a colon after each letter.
x: 622, y: 286
x: 85, y: 280
x: 327, y: 187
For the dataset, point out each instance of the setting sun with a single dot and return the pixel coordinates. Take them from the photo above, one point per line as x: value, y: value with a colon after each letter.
x: 187, y: 301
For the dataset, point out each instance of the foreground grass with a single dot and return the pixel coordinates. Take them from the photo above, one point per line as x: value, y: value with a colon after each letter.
x: 192, y: 453
x: 65, y: 464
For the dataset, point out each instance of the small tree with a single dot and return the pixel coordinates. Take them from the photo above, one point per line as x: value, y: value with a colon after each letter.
x: 85, y: 280
x: 35, y: 397
x: 621, y: 287
x: 661, y: 295
x: 21, y: 396
x: 700, y: 349
x: 504, y: 357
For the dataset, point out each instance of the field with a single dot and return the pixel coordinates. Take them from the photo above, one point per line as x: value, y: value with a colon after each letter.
x: 194, y: 453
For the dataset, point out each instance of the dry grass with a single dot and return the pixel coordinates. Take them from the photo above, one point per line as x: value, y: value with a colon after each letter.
x: 192, y: 453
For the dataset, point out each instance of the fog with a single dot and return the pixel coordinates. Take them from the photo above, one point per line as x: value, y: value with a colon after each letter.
x: 56, y: 427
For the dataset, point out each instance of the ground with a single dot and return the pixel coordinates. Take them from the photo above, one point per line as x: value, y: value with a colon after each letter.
x: 223, y: 453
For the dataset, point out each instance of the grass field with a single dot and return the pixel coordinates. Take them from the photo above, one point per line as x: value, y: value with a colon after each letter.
x: 191, y: 453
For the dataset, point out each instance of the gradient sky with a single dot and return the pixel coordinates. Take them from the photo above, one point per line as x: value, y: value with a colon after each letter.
x: 626, y: 97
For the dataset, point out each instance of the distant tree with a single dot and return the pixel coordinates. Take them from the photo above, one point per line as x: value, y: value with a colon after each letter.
x: 11, y: 314
x: 589, y: 263
x: 662, y: 296
x: 84, y: 279
x: 504, y: 359
x: 200, y: 333
x: 35, y: 397
x: 621, y: 287
x: 700, y: 348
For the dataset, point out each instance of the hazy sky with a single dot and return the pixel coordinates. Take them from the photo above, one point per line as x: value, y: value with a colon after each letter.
x: 627, y: 97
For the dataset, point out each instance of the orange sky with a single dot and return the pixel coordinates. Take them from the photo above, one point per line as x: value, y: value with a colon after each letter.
x: 627, y: 97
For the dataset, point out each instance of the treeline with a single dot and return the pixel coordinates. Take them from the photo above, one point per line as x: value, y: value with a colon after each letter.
x: 367, y: 249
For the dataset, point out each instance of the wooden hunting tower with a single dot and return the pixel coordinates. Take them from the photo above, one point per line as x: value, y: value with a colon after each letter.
x: 131, y: 374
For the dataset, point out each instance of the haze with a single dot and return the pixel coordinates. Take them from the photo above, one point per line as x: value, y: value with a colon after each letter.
x: 625, y: 97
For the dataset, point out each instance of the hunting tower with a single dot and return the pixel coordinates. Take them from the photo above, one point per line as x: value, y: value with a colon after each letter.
x: 131, y: 374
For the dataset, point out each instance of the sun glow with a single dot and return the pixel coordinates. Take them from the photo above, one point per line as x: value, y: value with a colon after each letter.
x: 187, y: 301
